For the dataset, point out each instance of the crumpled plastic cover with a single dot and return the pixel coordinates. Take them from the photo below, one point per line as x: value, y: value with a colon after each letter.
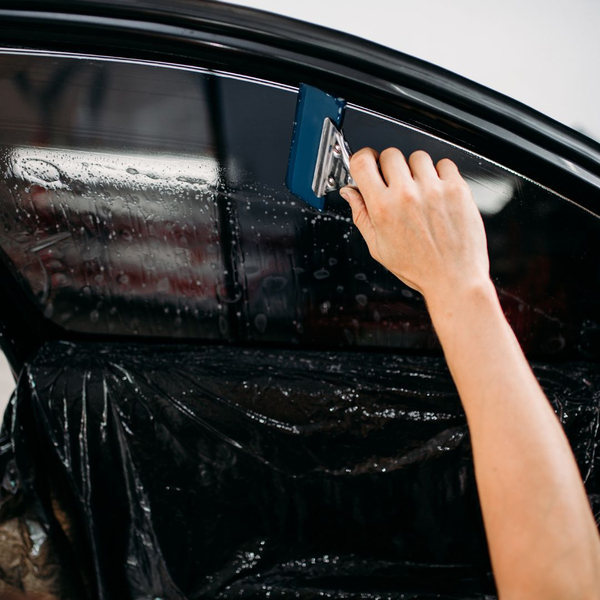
x: 218, y: 472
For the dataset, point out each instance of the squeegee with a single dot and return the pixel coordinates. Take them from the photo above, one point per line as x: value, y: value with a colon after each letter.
x: 319, y: 161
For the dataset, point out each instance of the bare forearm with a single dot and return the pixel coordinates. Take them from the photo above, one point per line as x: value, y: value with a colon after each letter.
x: 420, y: 221
x: 537, y: 517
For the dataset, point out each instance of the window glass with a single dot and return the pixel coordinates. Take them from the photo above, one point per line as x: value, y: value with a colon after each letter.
x: 142, y: 199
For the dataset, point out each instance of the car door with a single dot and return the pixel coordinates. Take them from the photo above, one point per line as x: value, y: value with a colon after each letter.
x: 221, y: 393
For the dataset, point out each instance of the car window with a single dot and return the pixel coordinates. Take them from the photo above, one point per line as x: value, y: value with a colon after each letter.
x: 145, y: 199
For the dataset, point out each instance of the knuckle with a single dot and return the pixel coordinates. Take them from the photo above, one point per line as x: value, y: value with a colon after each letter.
x: 419, y: 154
x: 409, y: 195
x: 377, y: 214
x: 455, y: 187
x: 363, y: 152
x: 378, y: 210
x: 446, y: 162
x: 435, y: 189
x: 361, y: 159
x: 389, y: 152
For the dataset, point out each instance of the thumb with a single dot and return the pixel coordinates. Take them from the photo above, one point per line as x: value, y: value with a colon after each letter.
x: 360, y: 214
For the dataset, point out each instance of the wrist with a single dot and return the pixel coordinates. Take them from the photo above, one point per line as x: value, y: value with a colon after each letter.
x: 444, y: 304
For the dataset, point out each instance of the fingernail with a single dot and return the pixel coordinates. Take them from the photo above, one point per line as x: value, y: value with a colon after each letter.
x: 344, y: 195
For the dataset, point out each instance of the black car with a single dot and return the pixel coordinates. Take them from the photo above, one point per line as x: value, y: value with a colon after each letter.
x: 221, y: 394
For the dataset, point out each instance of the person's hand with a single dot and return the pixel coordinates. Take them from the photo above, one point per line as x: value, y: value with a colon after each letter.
x: 419, y: 220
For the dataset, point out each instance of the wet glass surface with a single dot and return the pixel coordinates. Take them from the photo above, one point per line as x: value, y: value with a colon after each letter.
x: 138, y: 199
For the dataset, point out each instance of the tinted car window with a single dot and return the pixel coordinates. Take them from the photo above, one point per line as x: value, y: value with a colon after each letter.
x: 145, y: 199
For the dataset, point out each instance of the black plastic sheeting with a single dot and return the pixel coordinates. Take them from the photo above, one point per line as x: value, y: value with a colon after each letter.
x: 220, y: 472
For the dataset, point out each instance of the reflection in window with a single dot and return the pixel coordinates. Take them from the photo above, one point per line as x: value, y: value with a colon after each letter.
x: 145, y: 200
x: 128, y: 240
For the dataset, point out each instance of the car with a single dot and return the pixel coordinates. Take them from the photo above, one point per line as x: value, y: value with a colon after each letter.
x: 221, y: 393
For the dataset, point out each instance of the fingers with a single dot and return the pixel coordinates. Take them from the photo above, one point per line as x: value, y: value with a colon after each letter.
x: 421, y: 166
x: 365, y: 171
x: 397, y: 173
x: 446, y: 169
x: 365, y: 165
x: 364, y: 168
x: 394, y: 167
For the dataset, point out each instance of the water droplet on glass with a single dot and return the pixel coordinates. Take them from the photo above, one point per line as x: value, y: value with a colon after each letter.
x: 126, y: 235
x: 222, y: 295
x: 321, y: 274
x: 361, y: 299
x: 555, y: 344
x: 223, y: 325
x: 40, y: 169
x: 53, y: 265
x: 148, y: 261
x: 59, y: 280
x: 260, y: 322
x: 163, y: 286
x: 273, y: 284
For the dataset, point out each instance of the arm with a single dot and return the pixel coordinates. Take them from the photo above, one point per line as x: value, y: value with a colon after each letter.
x: 420, y: 222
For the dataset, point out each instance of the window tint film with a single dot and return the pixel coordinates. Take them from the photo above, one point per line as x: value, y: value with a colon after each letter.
x: 143, y: 199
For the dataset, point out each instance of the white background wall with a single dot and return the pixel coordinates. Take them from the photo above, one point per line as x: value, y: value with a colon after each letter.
x: 7, y: 384
x: 545, y: 53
